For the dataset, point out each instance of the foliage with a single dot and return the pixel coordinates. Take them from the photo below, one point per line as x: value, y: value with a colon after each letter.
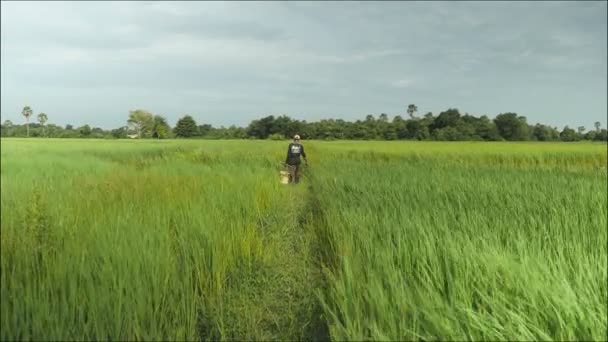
x: 186, y: 127
x: 197, y: 240
x: 27, y: 112
x: 449, y: 125
x: 160, y: 128
x: 569, y: 134
x: 42, y: 119
x: 511, y: 127
x: 142, y: 122
x: 276, y: 136
x: 448, y: 242
x: 85, y: 131
x: 411, y: 110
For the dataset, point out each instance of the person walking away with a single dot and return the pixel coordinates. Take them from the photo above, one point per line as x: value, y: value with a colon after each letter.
x: 294, y: 151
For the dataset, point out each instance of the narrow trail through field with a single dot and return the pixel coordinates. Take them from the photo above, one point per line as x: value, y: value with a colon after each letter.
x: 277, y: 298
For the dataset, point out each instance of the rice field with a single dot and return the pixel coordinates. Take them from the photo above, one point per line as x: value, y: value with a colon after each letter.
x: 198, y: 240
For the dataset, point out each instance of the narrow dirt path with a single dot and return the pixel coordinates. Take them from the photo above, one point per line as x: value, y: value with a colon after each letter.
x: 277, y: 298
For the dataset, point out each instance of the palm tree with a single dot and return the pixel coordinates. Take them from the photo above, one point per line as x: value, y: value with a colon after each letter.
x: 581, y: 129
x: 411, y: 110
x: 27, y: 112
x: 597, y: 126
x: 42, y: 118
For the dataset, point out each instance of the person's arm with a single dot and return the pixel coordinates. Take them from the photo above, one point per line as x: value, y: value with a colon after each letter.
x: 304, y: 154
x: 288, y: 150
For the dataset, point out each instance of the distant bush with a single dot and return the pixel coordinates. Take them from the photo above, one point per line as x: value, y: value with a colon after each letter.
x: 276, y: 136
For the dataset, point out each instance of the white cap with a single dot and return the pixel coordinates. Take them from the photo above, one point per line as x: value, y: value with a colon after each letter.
x: 296, y: 137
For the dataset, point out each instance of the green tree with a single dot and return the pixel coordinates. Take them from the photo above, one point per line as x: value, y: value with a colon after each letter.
x: 417, y: 129
x: 142, y: 122
x: 544, y: 133
x: 602, y: 135
x: 8, y: 128
x: 568, y: 134
x: 205, y: 130
x: 371, y: 127
x: 262, y: 128
x: 231, y: 132
x: 597, y: 126
x: 27, y: 112
x: 52, y: 131
x: 581, y: 130
x: 511, y: 126
x: 161, y: 128
x: 385, y: 130
x: 411, y: 110
x: 119, y: 133
x: 486, y: 129
x: 399, y: 127
x: 85, y: 131
x: 98, y: 133
x: 449, y: 118
x: 186, y: 127
x: 42, y: 118
x: 425, y: 124
x: 296, y: 127
x: 357, y: 130
x: 281, y: 125
x: 591, y: 135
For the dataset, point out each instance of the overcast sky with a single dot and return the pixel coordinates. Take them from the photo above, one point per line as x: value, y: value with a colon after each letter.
x: 230, y: 62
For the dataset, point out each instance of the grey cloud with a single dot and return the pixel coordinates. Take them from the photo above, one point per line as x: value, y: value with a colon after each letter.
x: 230, y: 61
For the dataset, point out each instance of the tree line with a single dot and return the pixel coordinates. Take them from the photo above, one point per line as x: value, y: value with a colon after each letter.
x: 449, y: 125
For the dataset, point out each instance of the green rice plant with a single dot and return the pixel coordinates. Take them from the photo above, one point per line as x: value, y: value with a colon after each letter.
x: 455, y: 247
x: 197, y: 240
x: 177, y: 240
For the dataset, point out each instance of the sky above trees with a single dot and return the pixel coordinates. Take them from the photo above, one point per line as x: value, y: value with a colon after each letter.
x: 229, y: 63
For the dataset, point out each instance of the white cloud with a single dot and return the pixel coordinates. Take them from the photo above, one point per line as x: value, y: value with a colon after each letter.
x: 402, y: 83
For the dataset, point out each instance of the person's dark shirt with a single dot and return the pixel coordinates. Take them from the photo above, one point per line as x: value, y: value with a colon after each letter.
x: 294, y: 151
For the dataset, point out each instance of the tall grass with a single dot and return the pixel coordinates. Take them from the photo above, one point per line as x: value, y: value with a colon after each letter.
x: 189, y: 240
x: 477, y: 244
x: 149, y: 240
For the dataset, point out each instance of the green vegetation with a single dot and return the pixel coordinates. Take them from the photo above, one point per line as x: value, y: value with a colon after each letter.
x: 467, y: 242
x: 186, y: 127
x: 449, y: 125
x: 190, y: 239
